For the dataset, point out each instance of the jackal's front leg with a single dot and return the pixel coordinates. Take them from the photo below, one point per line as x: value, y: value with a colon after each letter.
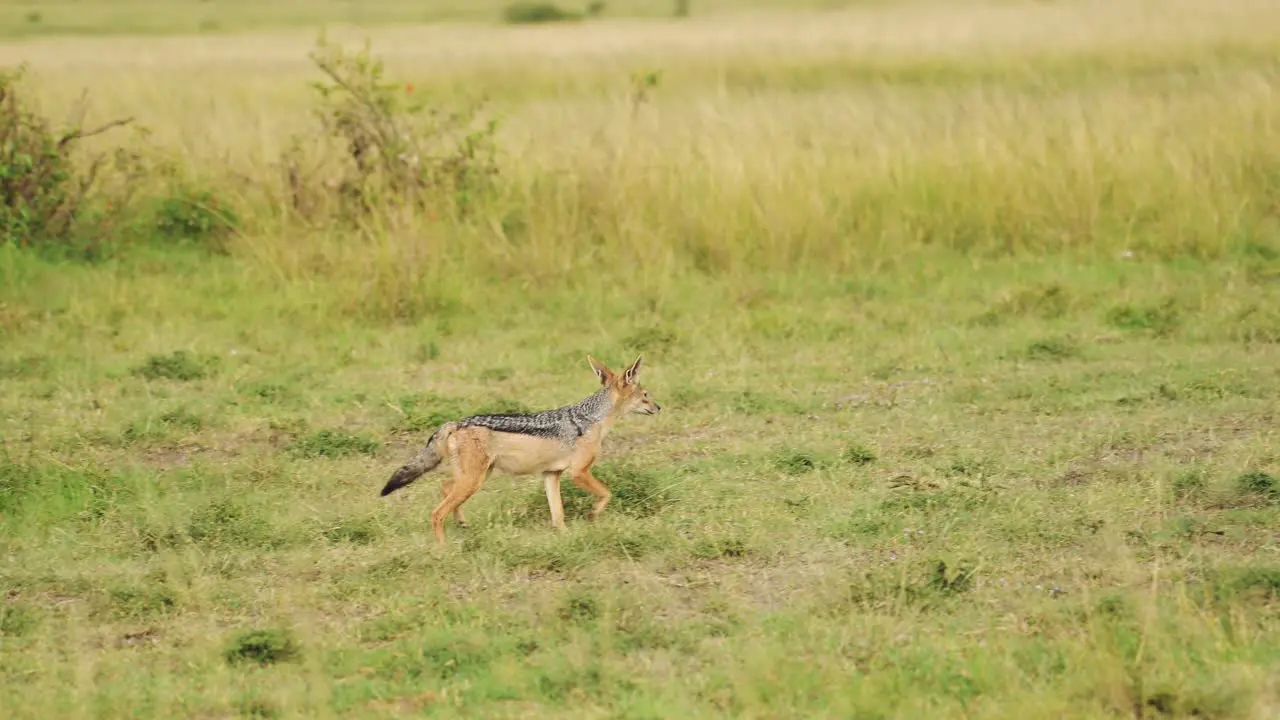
x: 585, y: 480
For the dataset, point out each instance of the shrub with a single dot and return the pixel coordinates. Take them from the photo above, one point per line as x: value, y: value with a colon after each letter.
x: 387, y: 148
x: 44, y: 190
x: 197, y: 215
x: 526, y: 13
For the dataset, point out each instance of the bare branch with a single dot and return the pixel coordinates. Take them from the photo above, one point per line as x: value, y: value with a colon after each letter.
x: 81, y: 134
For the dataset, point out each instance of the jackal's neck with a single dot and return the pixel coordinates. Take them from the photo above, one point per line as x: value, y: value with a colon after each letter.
x: 597, y: 408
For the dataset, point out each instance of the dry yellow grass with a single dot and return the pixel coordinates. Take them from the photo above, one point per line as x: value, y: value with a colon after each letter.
x: 832, y: 139
x: 210, y: 96
x: 152, y: 17
x: 805, y: 138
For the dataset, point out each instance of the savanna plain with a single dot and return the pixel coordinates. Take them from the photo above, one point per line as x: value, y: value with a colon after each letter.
x: 964, y: 318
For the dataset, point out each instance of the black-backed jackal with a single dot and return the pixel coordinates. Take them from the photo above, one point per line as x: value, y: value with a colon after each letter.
x: 551, y: 442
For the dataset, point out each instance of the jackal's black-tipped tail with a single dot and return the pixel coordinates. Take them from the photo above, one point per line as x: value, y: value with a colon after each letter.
x: 421, y: 464
x: 404, y: 476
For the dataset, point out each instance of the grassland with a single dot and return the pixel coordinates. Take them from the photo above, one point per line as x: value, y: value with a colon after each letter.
x: 965, y: 320
x: 35, y: 18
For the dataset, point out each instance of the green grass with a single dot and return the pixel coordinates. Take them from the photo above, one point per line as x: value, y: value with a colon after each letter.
x: 1023, y: 536
x: 969, y: 394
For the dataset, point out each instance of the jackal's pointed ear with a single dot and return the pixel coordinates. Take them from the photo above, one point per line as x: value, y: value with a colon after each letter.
x: 629, y: 377
x: 602, y: 372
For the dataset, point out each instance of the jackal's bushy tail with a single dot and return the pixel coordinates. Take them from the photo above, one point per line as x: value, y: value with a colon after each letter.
x: 424, y: 462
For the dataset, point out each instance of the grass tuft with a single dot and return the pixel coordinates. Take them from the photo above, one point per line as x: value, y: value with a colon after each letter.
x: 262, y: 647
x: 858, y: 455
x: 1260, y: 484
x: 179, y: 365
x: 333, y: 444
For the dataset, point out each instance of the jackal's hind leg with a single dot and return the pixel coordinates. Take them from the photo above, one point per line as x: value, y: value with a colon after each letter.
x: 554, y: 500
x: 469, y: 473
x: 446, y: 487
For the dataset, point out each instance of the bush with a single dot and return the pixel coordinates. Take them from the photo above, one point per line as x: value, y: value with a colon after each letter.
x: 197, y: 215
x: 45, y: 192
x: 529, y: 12
x: 386, y: 148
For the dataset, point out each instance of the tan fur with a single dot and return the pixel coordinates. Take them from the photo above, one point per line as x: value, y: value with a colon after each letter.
x: 473, y: 453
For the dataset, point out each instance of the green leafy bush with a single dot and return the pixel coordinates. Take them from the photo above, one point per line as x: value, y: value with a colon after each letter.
x: 197, y: 215
x: 46, y: 190
x: 385, y: 147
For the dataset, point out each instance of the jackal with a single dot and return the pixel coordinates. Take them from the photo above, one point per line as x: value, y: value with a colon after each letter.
x: 549, y: 442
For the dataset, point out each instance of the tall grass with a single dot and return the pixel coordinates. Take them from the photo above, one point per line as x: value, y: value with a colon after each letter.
x: 797, y: 143
x: 148, y: 17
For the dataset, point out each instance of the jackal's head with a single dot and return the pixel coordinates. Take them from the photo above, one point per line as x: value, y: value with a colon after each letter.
x: 626, y: 392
